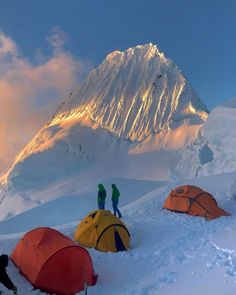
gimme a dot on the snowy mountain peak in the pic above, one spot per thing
(146, 51)
(135, 93)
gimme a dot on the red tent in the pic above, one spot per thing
(194, 201)
(53, 263)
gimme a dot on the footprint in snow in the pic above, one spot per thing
(225, 258)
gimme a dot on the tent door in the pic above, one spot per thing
(119, 244)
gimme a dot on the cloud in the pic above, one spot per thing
(57, 39)
(7, 46)
(29, 93)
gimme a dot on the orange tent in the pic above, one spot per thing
(53, 263)
(194, 201)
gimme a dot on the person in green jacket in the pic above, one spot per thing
(101, 196)
(115, 200)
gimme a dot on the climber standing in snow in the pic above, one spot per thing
(4, 278)
(115, 200)
(101, 196)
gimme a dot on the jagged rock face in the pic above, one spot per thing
(135, 93)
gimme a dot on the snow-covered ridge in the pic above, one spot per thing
(135, 93)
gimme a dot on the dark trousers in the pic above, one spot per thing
(115, 208)
(101, 204)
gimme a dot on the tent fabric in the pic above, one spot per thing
(194, 201)
(102, 230)
(53, 263)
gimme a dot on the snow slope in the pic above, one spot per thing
(220, 132)
(170, 251)
(67, 202)
(213, 152)
(105, 157)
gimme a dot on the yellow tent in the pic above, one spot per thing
(102, 230)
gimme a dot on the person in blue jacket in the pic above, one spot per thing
(101, 196)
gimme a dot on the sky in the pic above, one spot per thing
(47, 47)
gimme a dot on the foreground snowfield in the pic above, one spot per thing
(170, 252)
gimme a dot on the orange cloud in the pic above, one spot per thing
(29, 94)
